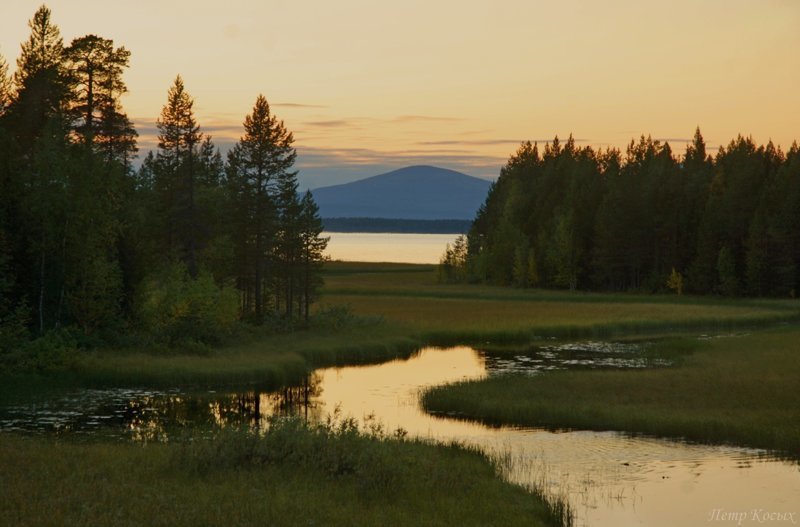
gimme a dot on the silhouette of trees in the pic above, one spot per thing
(577, 218)
(89, 244)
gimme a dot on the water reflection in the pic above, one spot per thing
(609, 478)
(573, 355)
(150, 415)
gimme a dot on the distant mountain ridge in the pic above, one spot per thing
(414, 193)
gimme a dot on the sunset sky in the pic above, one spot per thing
(370, 86)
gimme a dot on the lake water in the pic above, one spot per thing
(609, 478)
(387, 247)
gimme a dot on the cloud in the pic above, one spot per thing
(297, 105)
(424, 118)
(321, 166)
(673, 139)
(330, 166)
(360, 122)
(469, 142)
(332, 123)
(490, 142)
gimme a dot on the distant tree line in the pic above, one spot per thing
(182, 248)
(646, 220)
(396, 225)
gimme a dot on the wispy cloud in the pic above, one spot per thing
(673, 139)
(331, 123)
(489, 142)
(297, 105)
(424, 118)
(469, 142)
(331, 166)
(321, 166)
(361, 122)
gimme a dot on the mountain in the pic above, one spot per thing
(414, 193)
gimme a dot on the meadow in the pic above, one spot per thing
(435, 313)
(740, 390)
(370, 313)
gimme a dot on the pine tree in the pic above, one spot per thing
(40, 84)
(6, 87)
(43, 50)
(289, 241)
(95, 68)
(312, 252)
(178, 138)
(258, 170)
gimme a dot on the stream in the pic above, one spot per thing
(609, 478)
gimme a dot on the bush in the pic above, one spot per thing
(336, 448)
(180, 311)
(53, 351)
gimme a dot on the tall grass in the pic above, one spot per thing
(392, 310)
(741, 390)
(334, 474)
(451, 314)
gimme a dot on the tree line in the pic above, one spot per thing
(182, 247)
(647, 220)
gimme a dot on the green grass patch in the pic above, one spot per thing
(292, 475)
(742, 390)
(375, 312)
(445, 314)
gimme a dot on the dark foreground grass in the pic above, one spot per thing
(292, 475)
(742, 390)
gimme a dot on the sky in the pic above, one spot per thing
(369, 86)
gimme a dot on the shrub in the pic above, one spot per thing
(179, 310)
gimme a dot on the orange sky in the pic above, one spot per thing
(369, 86)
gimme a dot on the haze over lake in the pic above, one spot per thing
(387, 247)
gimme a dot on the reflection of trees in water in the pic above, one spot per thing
(150, 418)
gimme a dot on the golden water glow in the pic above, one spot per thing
(453, 83)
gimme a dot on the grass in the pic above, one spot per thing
(292, 475)
(735, 390)
(401, 308)
(742, 390)
(443, 314)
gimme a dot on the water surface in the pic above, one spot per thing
(609, 478)
(387, 247)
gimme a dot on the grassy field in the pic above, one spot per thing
(742, 390)
(443, 314)
(294, 475)
(401, 307)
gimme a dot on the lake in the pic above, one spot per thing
(387, 247)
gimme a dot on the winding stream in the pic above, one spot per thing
(609, 478)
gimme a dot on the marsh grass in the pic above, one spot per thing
(293, 474)
(739, 389)
(445, 314)
(371, 313)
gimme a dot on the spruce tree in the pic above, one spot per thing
(257, 165)
(178, 138)
(312, 252)
(6, 87)
(40, 84)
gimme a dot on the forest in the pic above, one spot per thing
(180, 250)
(647, 220)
